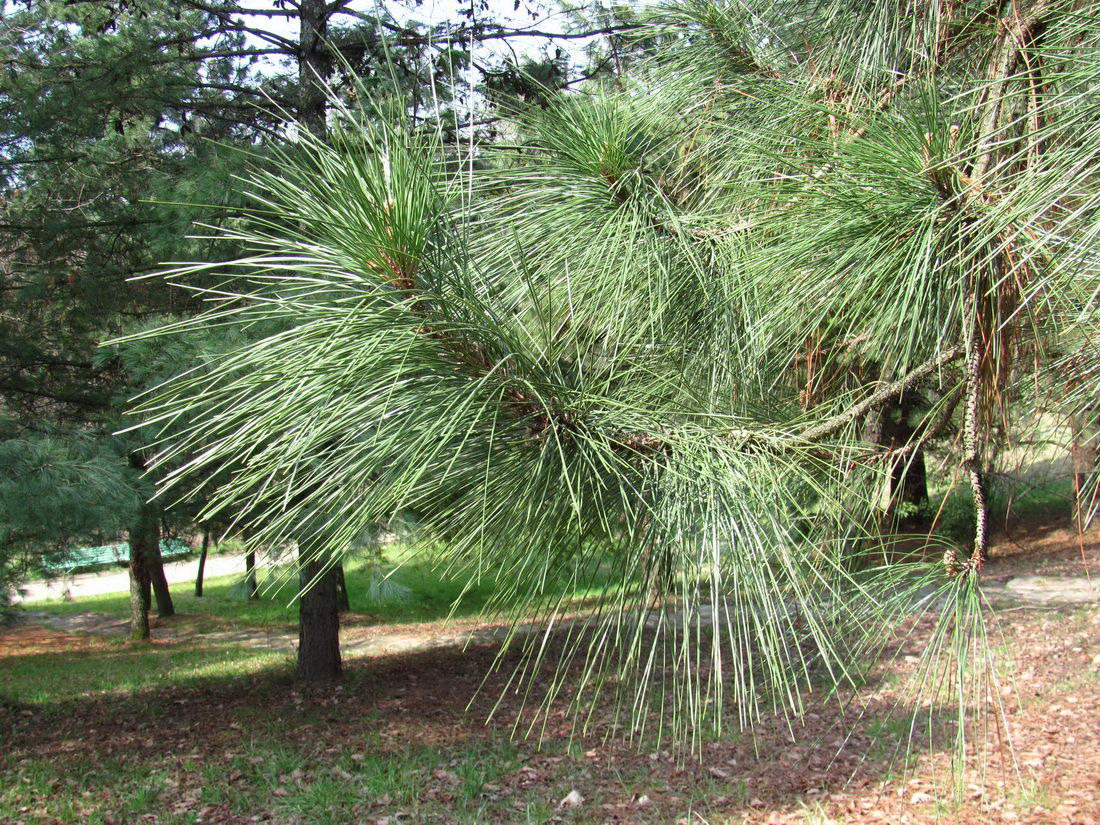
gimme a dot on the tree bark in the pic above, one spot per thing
(139, 601)
(881, 395)
(888, 427)
(314, 65)
(202, 561)
(145, 548)
(165, 608)
(343, 603)
(1083, 451)
(909, 490)
(318, 617)
(140, 535)
(250, 574)
(908, 483)
(971, 442)
(318, 621)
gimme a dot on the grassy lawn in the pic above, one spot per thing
(100, 731)
(106, 733)
(178, 733)
(382, 593)
(264, 776)
(115, 666)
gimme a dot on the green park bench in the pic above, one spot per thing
(106, 554)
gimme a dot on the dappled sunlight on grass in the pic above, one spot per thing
(387, 592)
(38, 678)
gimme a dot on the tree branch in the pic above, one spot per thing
(881, 396)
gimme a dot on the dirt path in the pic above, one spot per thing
(1044, 568)
(377, 640)
(117, 580)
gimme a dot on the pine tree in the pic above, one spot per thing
(590, 365)
(111, 113)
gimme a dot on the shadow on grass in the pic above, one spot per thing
(397, 735)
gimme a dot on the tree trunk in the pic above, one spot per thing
(343, 604)
(314, 65)
(202, 561)
(1084, 444)
(908, 475)
(250, 574)
(907, 503)
(318, 621)
(143, 531)
(165, 608)
(318, 617)
(909, 489)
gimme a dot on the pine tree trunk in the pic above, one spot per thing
(318, 623)
(907, 501)
(202, 561)
(250, 574)
(909, 504)
(343, 604)
(139, 577)
(909, 488)
(165, 608)
(318, 617)
(1084, 444)
(314, 65)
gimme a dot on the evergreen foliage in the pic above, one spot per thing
(591, 353)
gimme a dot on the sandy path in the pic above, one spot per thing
(116, 580)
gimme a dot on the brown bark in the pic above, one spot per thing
(165, 608)
(318, 621)
(1084, 448)
(881, 395)
(202, 561)
(139, 578)
(318, 617)
(342, 602)
(972, 459)
(314, 65)
(146, 566)
(906, 491)
(250, 574)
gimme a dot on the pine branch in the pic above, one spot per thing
(881, 396)
(1010, 48)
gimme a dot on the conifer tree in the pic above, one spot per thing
(582, 354)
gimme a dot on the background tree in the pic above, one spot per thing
(124, 123)
(109, 107)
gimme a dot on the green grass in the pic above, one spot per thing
(1037, 501)
(1034, 794)
(281, 780)
(49, 678)
(265, 764)
(252, 760)
(386, 593)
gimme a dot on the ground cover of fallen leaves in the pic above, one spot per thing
(832, 767)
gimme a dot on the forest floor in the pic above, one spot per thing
(199, 728)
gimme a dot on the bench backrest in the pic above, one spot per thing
(114, 554)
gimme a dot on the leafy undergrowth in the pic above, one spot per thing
(236, 741)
